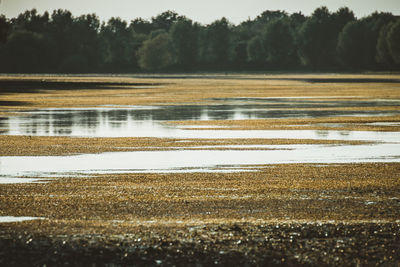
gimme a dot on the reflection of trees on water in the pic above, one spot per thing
(46, 123)
(115, 118)
(220, 112)
(325, 133)
(88, 118)
(169, 113)
(64, 122)
(4, 125)
(322, 133)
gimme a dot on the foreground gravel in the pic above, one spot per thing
(313, 244)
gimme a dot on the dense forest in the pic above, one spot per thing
(168, 42)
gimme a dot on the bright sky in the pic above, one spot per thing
(203, 11)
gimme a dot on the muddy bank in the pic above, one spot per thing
(36, 85)
(316, 78)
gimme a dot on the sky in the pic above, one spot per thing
(204, 11)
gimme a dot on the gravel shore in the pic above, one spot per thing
(310, 244)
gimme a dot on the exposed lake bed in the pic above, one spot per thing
(150, 163)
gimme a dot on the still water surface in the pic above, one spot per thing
(147, 121)
(195, 160)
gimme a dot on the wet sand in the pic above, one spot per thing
(290, 214)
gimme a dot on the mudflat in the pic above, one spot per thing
(248, 214)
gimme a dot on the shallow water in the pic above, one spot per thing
(196, 160)
(147, 121)
(140, 121)
(8, 219)
(82, 126)
(16, 180)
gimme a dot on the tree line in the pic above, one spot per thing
(274, 40)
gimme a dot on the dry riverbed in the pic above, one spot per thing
(284, 214)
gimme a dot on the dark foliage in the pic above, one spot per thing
(275, 40)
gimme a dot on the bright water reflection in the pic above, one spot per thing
(138, 121)
(196, 160)
(14, 180)
(146, 121)
(9, 219)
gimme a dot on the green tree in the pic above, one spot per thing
(240, 37)
(164, 20)
(273, 40)
(340, 18)
(216, 44)
(314, 38)
(239, 55)
(87, 50)
(255, 52)
(183, 35)
(17, 56)
(258, 25)
(141, 26)
(268, 16)
(4, 29)
(31, 21)
(296, 21)
(119, 45)
(393, 40)
(154, 33)
(60, 33)
(28, 23)
(278, 43)
(383, 54)
(358, 41)
(155, 54)
(351, 47)
(373, 25)
(318, 37)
